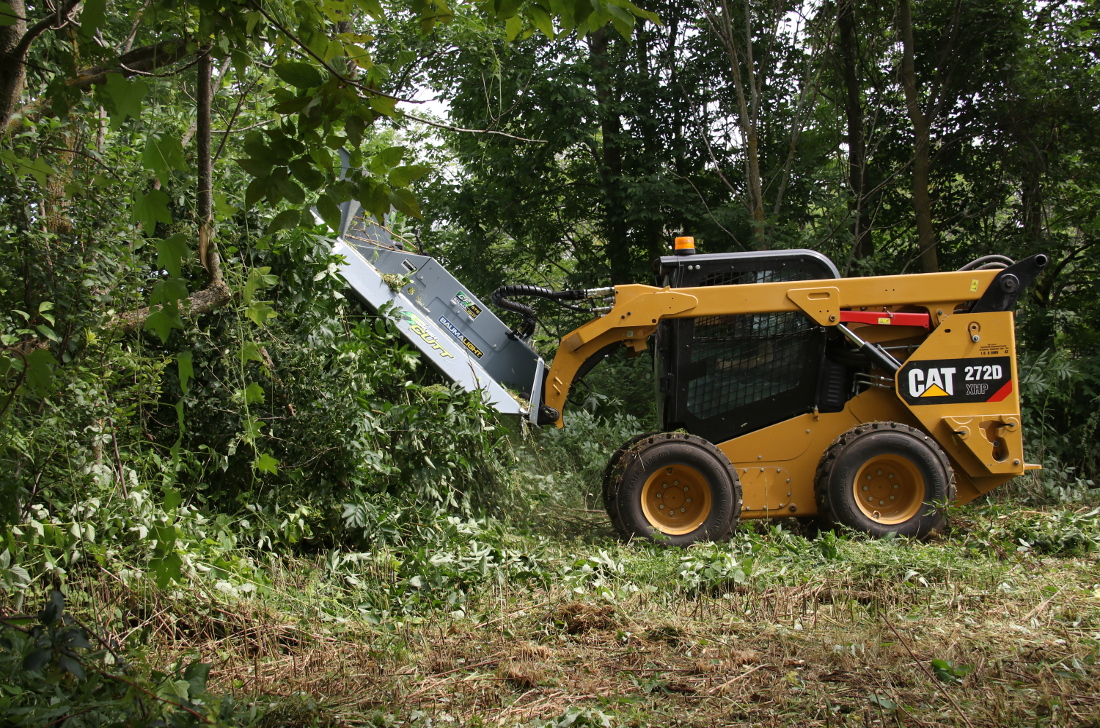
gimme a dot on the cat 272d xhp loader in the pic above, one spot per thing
(785, 390)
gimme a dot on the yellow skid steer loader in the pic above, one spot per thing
(784, 389)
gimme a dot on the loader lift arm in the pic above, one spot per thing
(639, 308)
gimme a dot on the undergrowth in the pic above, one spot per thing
(464, 573)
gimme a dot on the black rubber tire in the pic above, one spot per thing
(641, 457)
(835, 490)
(611, 475)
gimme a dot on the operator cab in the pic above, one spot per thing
(722, 376)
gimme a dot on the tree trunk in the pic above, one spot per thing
(748, 107)
(611, 162)
(863, 245)
(13, 72)
(922, 200)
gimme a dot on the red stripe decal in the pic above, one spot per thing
(886, 318)
(1001, 393)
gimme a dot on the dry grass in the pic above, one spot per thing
(833, 647)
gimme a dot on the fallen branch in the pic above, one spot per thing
(214, 296)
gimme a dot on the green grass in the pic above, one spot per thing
(551, 622)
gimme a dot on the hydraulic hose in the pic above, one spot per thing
(500, 298)
(983, 263)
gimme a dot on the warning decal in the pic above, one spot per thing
(947, 381)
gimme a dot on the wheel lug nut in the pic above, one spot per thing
(882, 503)
(676, 482)
(664, 485)
(865, 487)
(683, 510)
(658, 495)
(895, 486)
(868, 477)
(893, 497)
(689, 500)
(685, 489)
(880, 472)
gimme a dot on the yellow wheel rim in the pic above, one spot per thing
(889, 489)
(676, 499)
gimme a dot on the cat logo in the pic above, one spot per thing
(950, 381)
(932, 382)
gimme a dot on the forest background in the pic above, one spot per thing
(190, 402)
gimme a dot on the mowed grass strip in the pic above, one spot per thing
(972, 629)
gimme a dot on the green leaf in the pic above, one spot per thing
(162, 320)
(287, 187)
(172, 498)
(391, 156)
(256, 148)
(284, 220)
(126, 97)
(181, 688)
(165, 537)
(250, 429)
(329, 211)
(299, 74)
(223, 207)
(258, 279)
(23, 166)
(7, 15)
(151, 208)
(507, 8)
(402, 176)
(163, 155)
(250, 352)
(72, 666)
(266, 464)
(197, 673)
(636, 11)
(168, 291)
(305, 173)
(171, 252)
(622, 20)
(167, 569)
(354, 127)
(372, 8)
(405, 201)
(187, 369)
(241, 62)
(255, 167)
(378, 201)
(383, 105)
(92, 17)
(261, 312)
(882, 701)
(47, 332)
(40, 366)
(37, 659)
(257, 189)
(253, 393)
(540, 18)
(512, 27)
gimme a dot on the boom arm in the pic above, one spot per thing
(639, 308)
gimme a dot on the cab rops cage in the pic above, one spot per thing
(784, 389)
